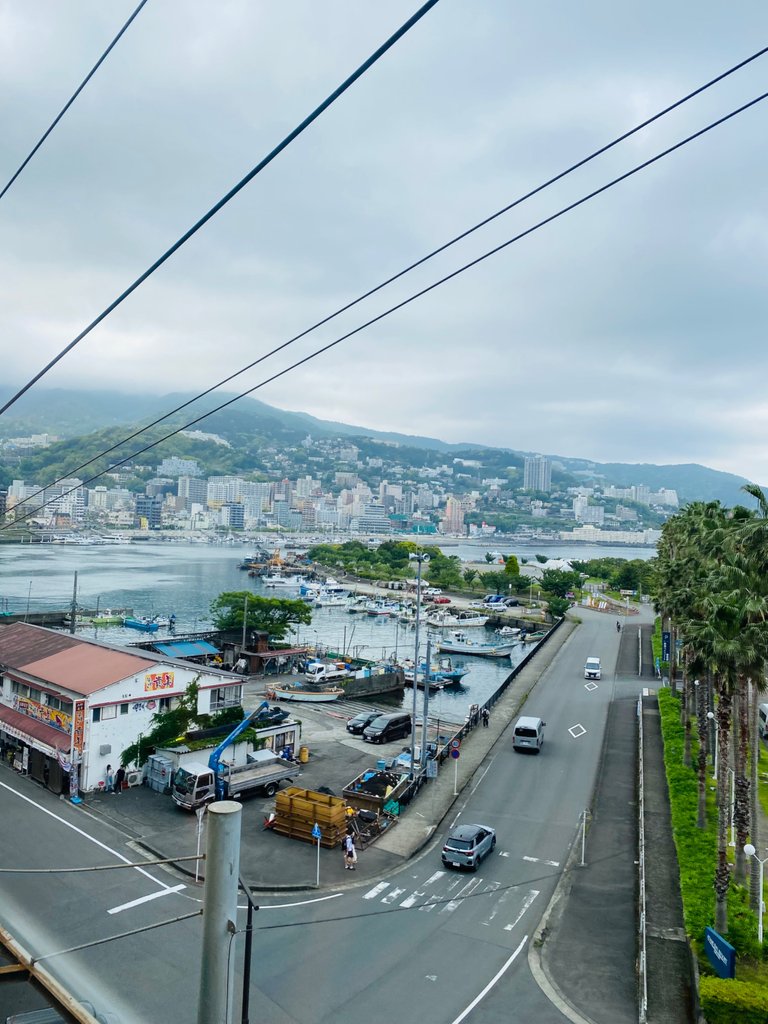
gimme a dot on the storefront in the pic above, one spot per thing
(36, 749)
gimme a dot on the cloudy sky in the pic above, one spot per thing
(631, 329)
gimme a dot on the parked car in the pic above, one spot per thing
(441, 600)
(359, 722)
(388, 727)
(511, 602)
(466, 845)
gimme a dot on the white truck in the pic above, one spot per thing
(195, 784)
(325, 671)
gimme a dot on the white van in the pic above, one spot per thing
(762, 720)
(528, 734)
(592, 668)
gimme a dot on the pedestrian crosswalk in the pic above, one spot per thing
(443, 892)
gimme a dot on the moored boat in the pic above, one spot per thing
(456, 620)
(291, 691)
(459, 643)
(143, 625)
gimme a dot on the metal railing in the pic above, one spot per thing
(643, 960)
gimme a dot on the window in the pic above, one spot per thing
(96, 715)
(123, 709)
(226, 697)
(107, 712)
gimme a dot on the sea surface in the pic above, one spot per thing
(183, 579)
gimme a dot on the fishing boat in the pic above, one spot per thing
(143, 625)
(454, 620)
(533, 638)
(513, 632)
(459, 643)
(276, 581)
(293, 691)
(442, 673)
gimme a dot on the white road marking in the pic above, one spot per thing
(590, 686)
(500, 973)
(300, 903)
(431, 977)
(471, 792)
(410, 900)
(577, 730)
(80, 832)
(492, 887)
(502, 854)
(392, 896)
(145, 899)
(538, 860)
(461, 895)
(374, 892)
(526, 904)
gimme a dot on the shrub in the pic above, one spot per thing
(730, 1001)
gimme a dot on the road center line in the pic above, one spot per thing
(504, 968)
(145, 899)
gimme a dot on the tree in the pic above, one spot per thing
(557, 582)
(558, 606)
(273, 615)
(511, 566)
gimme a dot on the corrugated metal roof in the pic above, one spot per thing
(186, 648)
(22, 643)
(66, 661)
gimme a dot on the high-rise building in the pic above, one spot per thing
(537, 473)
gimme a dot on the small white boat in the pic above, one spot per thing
(460, 643)
(306, 693)
(508, 631)
(456, 620)
(276, 581)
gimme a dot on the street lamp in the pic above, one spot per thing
(752, 852)
(421, 558)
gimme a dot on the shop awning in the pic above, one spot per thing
(22, 727)
(186, 649)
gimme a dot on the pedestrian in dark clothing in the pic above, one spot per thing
(119, 777)
(486, 716)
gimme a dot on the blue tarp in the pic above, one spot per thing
(187, 649)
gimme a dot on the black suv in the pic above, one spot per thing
(359, 722)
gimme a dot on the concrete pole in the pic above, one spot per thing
(425, 713)
(73, 607)
(419, 558)
(222, 867)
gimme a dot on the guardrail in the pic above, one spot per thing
(643, 960)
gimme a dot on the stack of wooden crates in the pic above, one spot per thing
(298, 810)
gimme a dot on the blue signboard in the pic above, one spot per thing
(665, 638)
(316, 833)
(720, 953)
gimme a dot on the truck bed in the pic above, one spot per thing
(254, 776)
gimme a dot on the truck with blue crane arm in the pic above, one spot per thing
(195, 785)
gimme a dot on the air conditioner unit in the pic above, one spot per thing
(133, 777)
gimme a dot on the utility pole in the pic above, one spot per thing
(73, 608)
(245, 620)
(222, 869)
(423, 761)
(420, 557)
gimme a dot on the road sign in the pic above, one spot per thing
(455, 754)
(455, 743)
(316, 833)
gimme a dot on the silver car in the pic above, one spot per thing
(466, 845)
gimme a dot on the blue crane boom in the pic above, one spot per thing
(215, 757)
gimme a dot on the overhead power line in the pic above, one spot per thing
(339, 91)
(73, 97)
(416, 295)
(412, 266)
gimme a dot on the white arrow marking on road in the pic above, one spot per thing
(526, 904)
(145, 899)
(538, 860)
(504, 854)
(431, 977)
(577, 730)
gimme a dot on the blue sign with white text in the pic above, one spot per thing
(665, 638)
(720, 953)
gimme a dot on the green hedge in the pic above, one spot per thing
(733, 1002)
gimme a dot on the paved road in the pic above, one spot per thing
(422, 943)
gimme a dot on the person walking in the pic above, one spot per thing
(350, 854)
(109, 780)
(618, 626)
(119, 777)
(486, 716)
